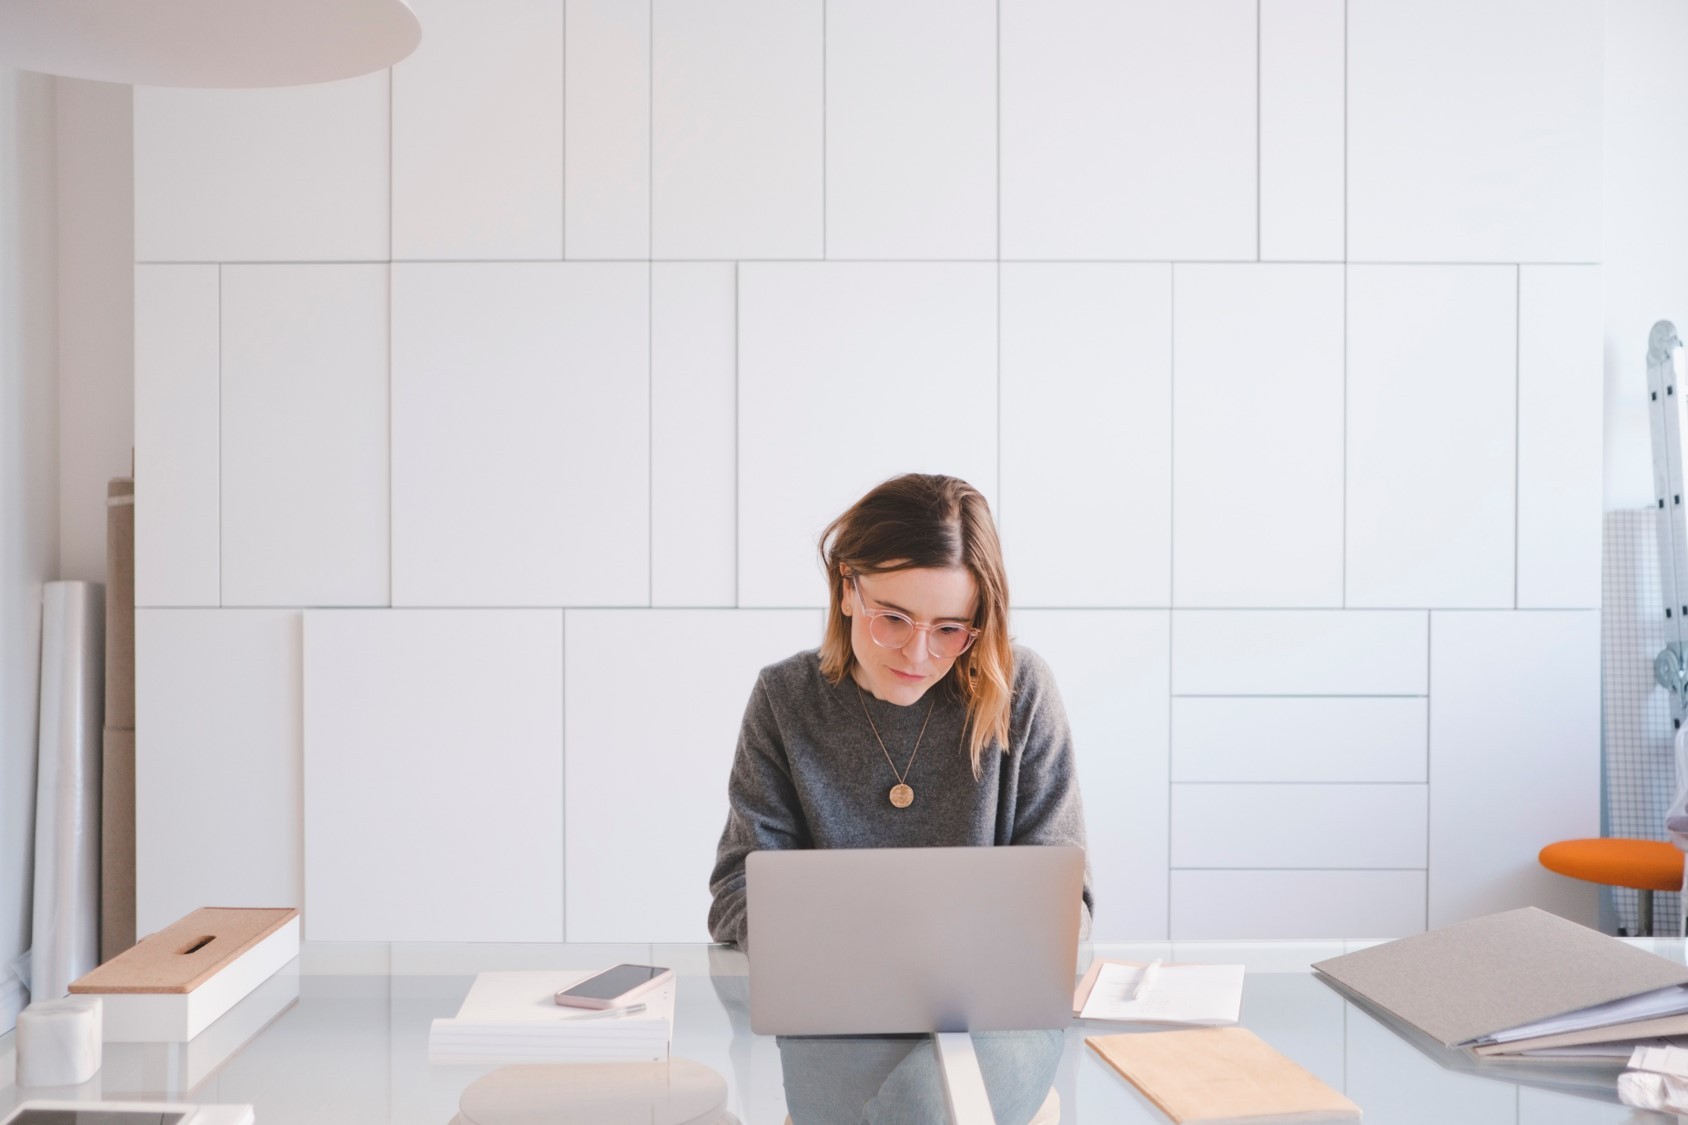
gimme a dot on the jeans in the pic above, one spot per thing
(896, 1079)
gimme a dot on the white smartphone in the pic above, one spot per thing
(614, 987)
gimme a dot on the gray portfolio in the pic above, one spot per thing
(1501, 971)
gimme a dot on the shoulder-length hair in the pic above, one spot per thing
(919, 521)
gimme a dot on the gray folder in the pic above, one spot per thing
(1500, 971)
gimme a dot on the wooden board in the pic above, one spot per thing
(178, 958)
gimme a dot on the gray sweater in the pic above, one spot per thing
(809, 774)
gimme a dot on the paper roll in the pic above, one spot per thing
(58, 1042)
(67, 792)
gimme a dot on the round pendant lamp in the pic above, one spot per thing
(214, 43)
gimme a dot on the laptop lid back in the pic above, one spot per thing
(865, 941)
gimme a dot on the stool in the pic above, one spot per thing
(1642, 865)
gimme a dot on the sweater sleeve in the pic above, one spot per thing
(763, 814)
(1048, 809)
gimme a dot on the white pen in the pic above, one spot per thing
(606, 1013)
(1150, 972)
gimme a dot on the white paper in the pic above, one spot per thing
(1670, 1001)
(1644, 1090)
(1662, 1057)
(1208, 995)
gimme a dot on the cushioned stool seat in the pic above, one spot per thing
(1644, 865)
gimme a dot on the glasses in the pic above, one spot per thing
(945, 640)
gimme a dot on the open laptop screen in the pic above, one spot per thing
(871, 941)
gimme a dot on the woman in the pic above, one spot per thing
(916, 655)
(916, 723)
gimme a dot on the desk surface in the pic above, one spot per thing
(352, 1048)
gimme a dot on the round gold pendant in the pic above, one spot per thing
(902, 796)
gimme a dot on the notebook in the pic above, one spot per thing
(1220, 1076)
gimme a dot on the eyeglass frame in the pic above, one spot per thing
(873, 615)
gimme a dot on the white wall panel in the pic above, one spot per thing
(1432, 387)
(1317, 826)
(478, 132)
(1296, 904)
(911, 129)
(1093, 165)
(218, 799)
(1644, 230)
(640, 851)
(607, 173)
(1257, 436)
(1559, 437)
(304, 451)
(848, 374)
(1086, 434)
(694, 430)
(521, 431)
(1474, 131)
(1115, 697)
(290, 174)
(737, 125)
(177, 433)
(1334, 739)
(434, 775)
(1514, 759)
(1303, 76)
(1299, 652)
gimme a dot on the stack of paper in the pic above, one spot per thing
(514, 1018)
(1509, 985)
(1202, 995)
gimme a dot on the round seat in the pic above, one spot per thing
(1645, 865)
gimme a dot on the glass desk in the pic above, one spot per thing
(344, 1039)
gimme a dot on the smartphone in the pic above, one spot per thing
(614, 987)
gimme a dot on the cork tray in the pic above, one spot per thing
(185, 954)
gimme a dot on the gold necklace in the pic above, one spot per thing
(901, 795)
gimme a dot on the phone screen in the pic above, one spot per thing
(611, 983)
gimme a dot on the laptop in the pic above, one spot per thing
(878, 941)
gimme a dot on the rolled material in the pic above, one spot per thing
(117, 781)
(120, 605)
(59, 1042)
(66, 937)
(117, 844)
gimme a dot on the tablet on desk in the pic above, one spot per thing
(877, 941)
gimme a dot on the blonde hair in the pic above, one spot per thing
(919, 521)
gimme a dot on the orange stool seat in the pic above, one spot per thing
(1645, 865)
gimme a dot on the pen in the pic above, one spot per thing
(1150, 972)
(606, 1013)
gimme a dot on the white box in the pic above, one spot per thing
(173, 1017)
